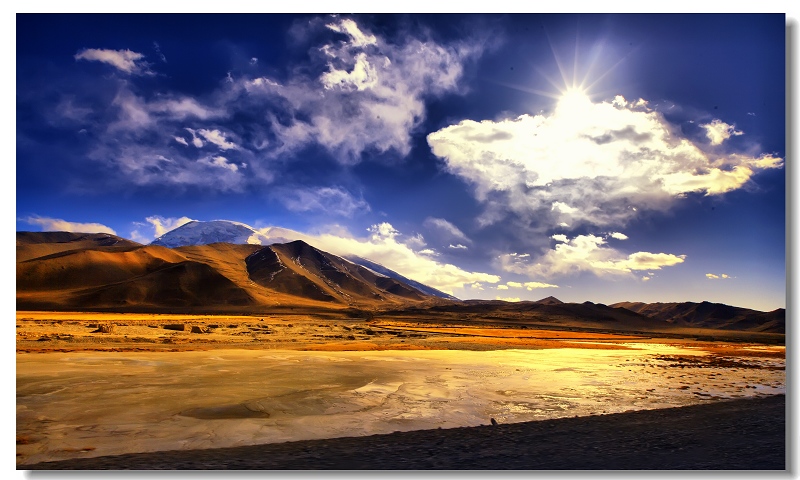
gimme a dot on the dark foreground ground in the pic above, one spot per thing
(746, 434)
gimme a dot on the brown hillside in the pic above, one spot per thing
(711, 315)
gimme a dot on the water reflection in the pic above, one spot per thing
(88, 404)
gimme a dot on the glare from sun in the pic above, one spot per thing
(573, 102)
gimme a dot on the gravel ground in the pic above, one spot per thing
(746, 434)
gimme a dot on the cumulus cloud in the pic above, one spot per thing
(370, 96)
(645, 278)
(502, 287)
(560, 237)
(586, 163)
(618, 235)
(332, 200)
(126, 61)
(388, 247)
(587, 253)
(514, 284)
(58, 225)
(718, 131)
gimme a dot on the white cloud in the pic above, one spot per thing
(645, 278)
(718, 131)
(533, 285)
(508, 299)
(446, 229)
(587, 253)
(457, 247)
(502, 287)
(560, 237)
(477, 286)
(370, 96)
(514, 284)
(357, 37)
(386, 245)
(162, 225)
(253, 61)
(585, 163)
(217, 138)
(336, 201)
(197, 142)
(427, 251)
(124, 60)
(181, 140)
(220, 162)
(618, 235)
(722, 276)
(59, 225)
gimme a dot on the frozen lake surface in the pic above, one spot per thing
(89, 404)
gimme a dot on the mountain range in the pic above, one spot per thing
(220, 266)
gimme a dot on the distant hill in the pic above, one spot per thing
(711, 315)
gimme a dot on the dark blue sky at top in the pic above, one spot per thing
(727, 67)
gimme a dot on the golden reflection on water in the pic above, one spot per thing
(89, 404)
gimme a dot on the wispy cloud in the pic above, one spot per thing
(446, 231)
(721, 276)
(59, 225)
(126, 61)
(331, 200)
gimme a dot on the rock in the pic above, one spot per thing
(199, 329)
(494, 422)
(104, 329)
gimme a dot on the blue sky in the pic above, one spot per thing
(589, 157)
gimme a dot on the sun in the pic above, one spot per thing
(573, 101)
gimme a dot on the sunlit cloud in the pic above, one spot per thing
(721, 276)
(585, 163)
(48, 224)
(718, 131)
(535, 285)
(514, 284)
(508, 299)
(126, 61)
(618, 235)
(162, 225)
(587, 253)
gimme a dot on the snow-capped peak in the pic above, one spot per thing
(204, 233)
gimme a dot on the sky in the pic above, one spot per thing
(602, 157)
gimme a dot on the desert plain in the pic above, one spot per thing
(93, 384)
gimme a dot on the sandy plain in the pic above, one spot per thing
(96, 384)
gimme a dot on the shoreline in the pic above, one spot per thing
(740, 434)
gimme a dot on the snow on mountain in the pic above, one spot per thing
(383, 271)
(204, 233)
